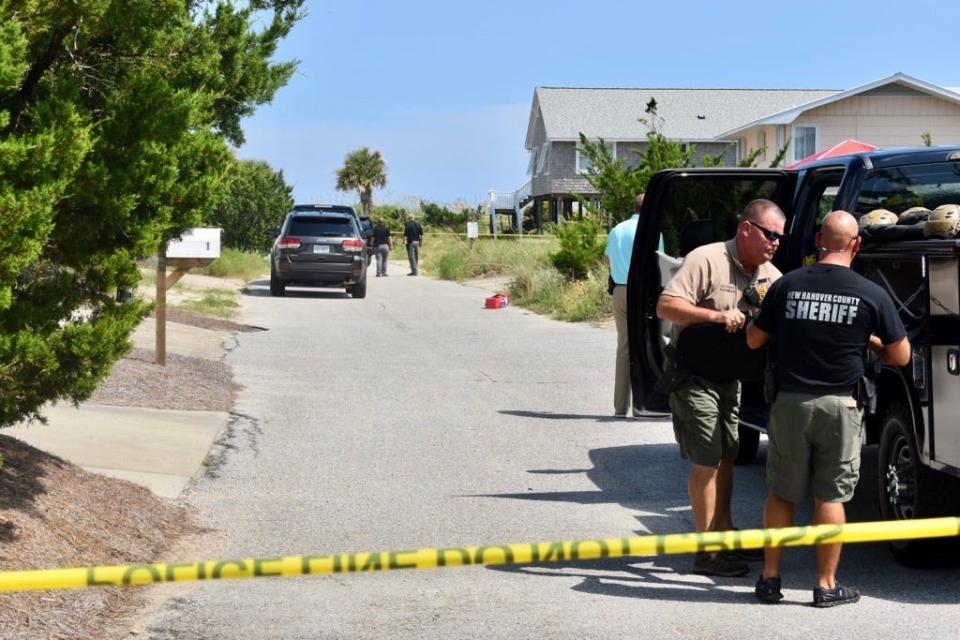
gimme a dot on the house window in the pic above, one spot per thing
(804, 142)
(543, 162)
(584, 164)
(533, 160)
(762, 144)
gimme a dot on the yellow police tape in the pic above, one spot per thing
(649, 545)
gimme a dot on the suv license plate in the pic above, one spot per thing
(321, 248)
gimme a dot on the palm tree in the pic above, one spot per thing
(362, 170)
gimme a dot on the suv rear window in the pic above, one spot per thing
(321, 226)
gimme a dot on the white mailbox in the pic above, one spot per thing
(196, 243)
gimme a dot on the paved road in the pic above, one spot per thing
(414, 418)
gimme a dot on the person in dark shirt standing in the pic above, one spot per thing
(821, 319)
(413, 234)
(382, 243)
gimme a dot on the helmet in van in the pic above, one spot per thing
(878, 216)
(944, 222)
(913, 215)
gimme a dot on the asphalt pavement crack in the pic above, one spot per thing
(239, 424)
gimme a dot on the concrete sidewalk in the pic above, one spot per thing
(158, 448)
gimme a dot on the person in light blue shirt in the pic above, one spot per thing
(617, 257)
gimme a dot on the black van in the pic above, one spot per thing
(915, 422)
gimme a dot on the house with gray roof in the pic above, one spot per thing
(893, 111)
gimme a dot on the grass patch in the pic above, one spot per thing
(220, 303)
(233, 263)
(544, 290)
(535, 284)
(452, 258)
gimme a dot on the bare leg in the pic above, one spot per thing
(776, 513)
(702, 488)
(723, 521)
(828, 555)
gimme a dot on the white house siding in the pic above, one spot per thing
(885, 121)
(753, 142)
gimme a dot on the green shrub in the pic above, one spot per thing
(581, 248)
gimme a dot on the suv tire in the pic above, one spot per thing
(358, 290)
(277, 287)
(909, 490)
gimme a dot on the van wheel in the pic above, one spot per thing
(277, 286)
(749, 443)
(358, 290)
(909, 490)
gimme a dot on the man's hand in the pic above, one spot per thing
(731, 319)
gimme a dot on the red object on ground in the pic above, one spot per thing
(497, 301)
(844, 148)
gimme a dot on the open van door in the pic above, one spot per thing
(682, 210)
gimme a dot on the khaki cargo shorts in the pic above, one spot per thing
(814, 437)
(705, 419)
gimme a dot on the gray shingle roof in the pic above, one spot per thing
(613, 113)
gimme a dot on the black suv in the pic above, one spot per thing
(321, 248)
(915, 418)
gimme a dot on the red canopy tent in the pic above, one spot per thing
(844, 148)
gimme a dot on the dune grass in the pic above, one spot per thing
(534, 283)
(233, 263)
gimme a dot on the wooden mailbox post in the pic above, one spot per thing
(197, 248)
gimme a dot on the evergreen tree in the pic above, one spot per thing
(114, 121)
(257, 199)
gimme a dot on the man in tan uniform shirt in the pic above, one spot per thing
(709, 288)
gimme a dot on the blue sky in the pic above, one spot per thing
(443, 89)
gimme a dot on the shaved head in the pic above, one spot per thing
(838, 237)
(837, 229)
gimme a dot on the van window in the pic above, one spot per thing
(701, 211)
(899, 188)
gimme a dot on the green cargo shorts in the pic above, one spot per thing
(705, 419)
(814, 437)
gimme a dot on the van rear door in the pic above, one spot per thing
(683, 209)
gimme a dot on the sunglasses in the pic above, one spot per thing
(769, 234)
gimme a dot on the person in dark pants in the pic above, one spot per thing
(822, 318)
(382, 243)
(413, 234)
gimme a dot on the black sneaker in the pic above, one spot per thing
(749, 555)
(768, 590)
(823, 597)
(718, 563)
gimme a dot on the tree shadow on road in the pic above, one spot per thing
(652, 479)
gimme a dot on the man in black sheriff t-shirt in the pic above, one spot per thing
(822, 318)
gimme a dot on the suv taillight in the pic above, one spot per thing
(289, 243)
(352, 245)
